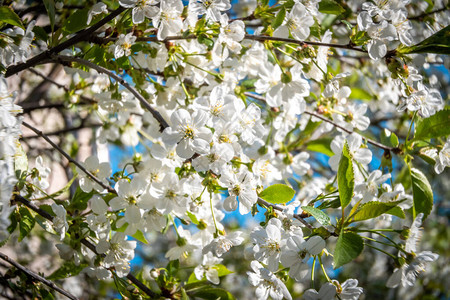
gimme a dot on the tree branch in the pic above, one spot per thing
(162, 122)
(37, 277)
(79, 36)
(67, 156)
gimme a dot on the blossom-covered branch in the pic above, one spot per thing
(80, 36)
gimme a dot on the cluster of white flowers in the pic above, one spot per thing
(224, 143)
(9, 134)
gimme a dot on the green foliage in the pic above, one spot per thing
(360, 94)
(279, 18)
(79, 200)
(321, 145)
(8, 16)
(140, 237)
(26, 222)
(330, 7)
(349, 245)
(76, 21)
(422, 193)
(277, 194)
(319, 215)
(389, 138)
(438, 43)
(435, 126)
(50, 7)
(373, 209)
(67, 269)
(346, 177)
(192, 217)
(209, 292)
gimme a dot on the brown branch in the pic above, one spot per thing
(67, 156)
(162, 122)
(78, 37)
(37, 277)
(85, 242)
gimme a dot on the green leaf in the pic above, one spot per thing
(360, 38)
(45, 224)
(422, 193)
(346, 177)
(360, 94)
(349, 245)
(396, 211)
(389, 138)
(213, 293)
(7, 15)
(26, 222)
(79, 200)
(438, 43)
(76, 21)
(321, 145)
(279, 18)
(373, 209)
(435, 126)
(50, 7)
(40, 33)
(140, 237)
(68, 269)
(319, 215)
(192, 217)
(277, 194)
(330, 7)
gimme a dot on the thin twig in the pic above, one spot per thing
(78, 37)
(372, 142)
(423, 15)
(163, 124)
(61, 86)
(67, 156)
(37, 277)
(262, 38)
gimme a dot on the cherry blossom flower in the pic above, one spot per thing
(297, 22)
(207, 268)
(267, 284)
(188, 132)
